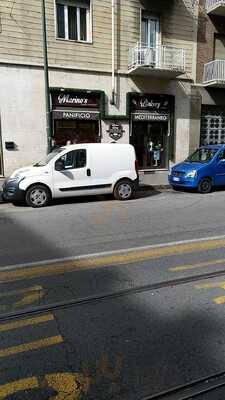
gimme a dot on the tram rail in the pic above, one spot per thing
(73, 302)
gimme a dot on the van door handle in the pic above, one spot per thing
(88, 172)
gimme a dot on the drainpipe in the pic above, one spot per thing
(46, 77)
(112, 101)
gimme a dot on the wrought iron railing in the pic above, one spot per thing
(211, 4)
(214, 71)
(160, 57)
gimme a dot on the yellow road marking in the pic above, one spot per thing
(13, 387)
(220, 285)
(38, 344)
(36, 288)
(219, 300)
(29, 299)
(65, 385)
(119, 259)
(198, 265)
(26, 322)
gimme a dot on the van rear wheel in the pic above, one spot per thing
(123, 190)
(38, 196)
(205, 185)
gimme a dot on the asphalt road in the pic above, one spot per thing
(115, 326)
(91, 225)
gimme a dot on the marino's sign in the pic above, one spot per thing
(151, 102)
(75, 99)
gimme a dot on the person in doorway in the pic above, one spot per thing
(157, 154)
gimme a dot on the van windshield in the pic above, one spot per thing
(202, 155)
(48, 158)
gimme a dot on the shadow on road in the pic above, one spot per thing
(127, 347)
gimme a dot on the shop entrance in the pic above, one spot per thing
(150, 140)
(75, 131)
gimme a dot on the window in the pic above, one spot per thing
(149, 30)
(73, 159)
(219, 47)
(73, 19)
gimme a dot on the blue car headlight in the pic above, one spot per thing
(191, 174)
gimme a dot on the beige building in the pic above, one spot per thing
(119, 70)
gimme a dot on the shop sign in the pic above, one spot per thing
(150, 117)
(85, 115)
(151, 102)
(115, 131)
(73, 99)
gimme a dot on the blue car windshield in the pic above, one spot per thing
(202, 155)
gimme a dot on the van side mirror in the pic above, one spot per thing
(59, 165)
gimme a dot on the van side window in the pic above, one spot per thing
(73, 159)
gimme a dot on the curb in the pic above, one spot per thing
(144, 188)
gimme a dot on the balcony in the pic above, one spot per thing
(216, 7)
(214, 74)
(163, 61)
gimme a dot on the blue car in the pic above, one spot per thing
(202, 170)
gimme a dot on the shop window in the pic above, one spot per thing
(73, 20)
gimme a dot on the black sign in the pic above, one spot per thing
(75, 99)
(149, 117)
(151, 102)
(116, 131)
(85, 115)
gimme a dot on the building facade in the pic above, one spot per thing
(119, 70)
(211, 71)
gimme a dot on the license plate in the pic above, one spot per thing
(176, 179)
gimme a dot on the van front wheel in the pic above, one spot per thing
(123, 190)
(205, 186)
(38, 196)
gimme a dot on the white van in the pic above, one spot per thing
(76, 170)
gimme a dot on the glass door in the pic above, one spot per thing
(150, 38)
(150, 141)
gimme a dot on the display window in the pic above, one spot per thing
(75, 131)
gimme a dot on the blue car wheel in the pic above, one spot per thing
(205, 185)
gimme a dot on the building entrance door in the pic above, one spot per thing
(150, 140)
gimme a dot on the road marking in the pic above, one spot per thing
(18, 386)
(31, 295)
(65, 385)
(107, 253)
(198, 265)
(26, 322)
(119, 259)
(21, 291)
(220, 285)
(38, 344)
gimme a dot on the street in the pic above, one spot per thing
(103, 299)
